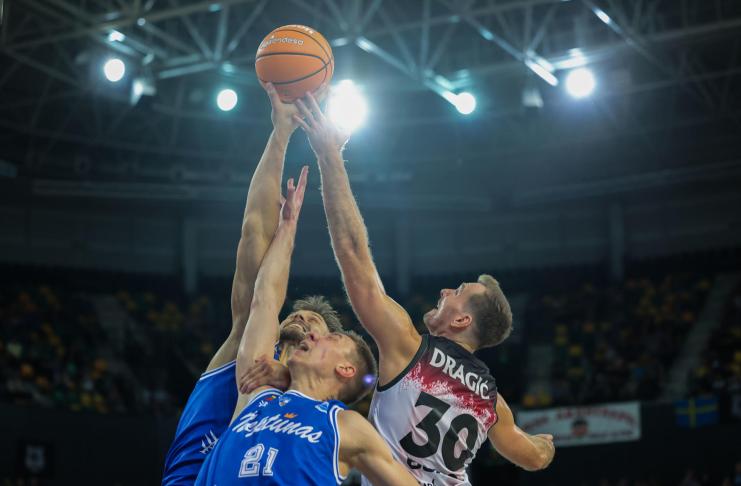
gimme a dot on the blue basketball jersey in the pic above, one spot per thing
(205, 417)
(279, 439)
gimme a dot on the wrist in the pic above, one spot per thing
(282, 134)
(331, 157)
(287, 226)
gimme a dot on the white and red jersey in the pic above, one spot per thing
(437, 413)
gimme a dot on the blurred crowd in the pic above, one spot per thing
(608, 343)
(614, 342)
(52, 353)
(720, 370)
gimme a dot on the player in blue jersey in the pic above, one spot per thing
(211, 404)
(304, 436)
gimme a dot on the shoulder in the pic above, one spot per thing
(355, 430)
(350, 420)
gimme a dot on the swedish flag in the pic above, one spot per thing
(696, 412)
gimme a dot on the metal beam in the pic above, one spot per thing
(449, 18)
(529, 59)
(131, 19)
(41, 67)
(3, 22)
(244, 28)
(221, 31)
(564, 60)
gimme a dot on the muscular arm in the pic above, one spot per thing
(530, 452)
(384, 319)
(363, 449)
(261, 331)
(259, 223)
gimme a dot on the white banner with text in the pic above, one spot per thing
(573, 426)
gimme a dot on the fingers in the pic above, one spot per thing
(321, 93)
(302, 184)
(301, 123)
(290, 188)
(306, 112)
(256, 376)
(314, 106)
(272, 93)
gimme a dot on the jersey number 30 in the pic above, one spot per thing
(428, 425)
(251, 463)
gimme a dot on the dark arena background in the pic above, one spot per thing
(596, 175)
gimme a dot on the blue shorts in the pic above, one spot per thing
(206, 415)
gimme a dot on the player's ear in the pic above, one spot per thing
(346, 369)
(462, 322)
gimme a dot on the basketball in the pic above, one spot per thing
(296, 59)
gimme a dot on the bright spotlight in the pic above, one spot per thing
(227, 99)
(580, 83)
(465, 103)
(347, 107)
(116, 36)
(114, 70)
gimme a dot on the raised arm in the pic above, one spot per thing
(259, 222)
(261, 331)
(384, 319)
(530, 452)
(363, 449)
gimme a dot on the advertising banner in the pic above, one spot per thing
(573, 426)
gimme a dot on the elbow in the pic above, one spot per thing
(539, 461)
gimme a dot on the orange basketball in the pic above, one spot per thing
(296, 59)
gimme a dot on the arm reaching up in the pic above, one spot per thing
(385, 320)
(259, 222)
(530, 452)
(261, 331)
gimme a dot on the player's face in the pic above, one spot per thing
(451, 305)
(323, 353)
(298, 324)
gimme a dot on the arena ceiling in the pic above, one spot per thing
(667, 95)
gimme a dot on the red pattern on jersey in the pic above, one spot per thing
(433, 381)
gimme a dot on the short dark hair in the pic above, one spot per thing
(320, 305)
(492, 315)
(365, 363)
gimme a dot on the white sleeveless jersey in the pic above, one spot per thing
(437, 413)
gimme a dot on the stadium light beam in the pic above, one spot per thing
(465, 103)
(227, 99)
(542, 71)
(580, 83)
(347, 107)
(114, 70)
(602, 15)
(116, 36)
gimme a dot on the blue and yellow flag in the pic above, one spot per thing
(696, 412)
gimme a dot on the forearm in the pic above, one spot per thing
(272, 279)
(263, 199)
(261, 330)
(346, 227)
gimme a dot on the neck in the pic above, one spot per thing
(469, 347)
(313, 386)
(462, 343)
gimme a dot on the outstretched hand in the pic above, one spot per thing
(265, 371)
(294, 198)
(324, 136)
(282, 113)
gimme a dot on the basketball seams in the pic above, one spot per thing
(281, 83)
(288, 87)
(329, 56)
(291, 54)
